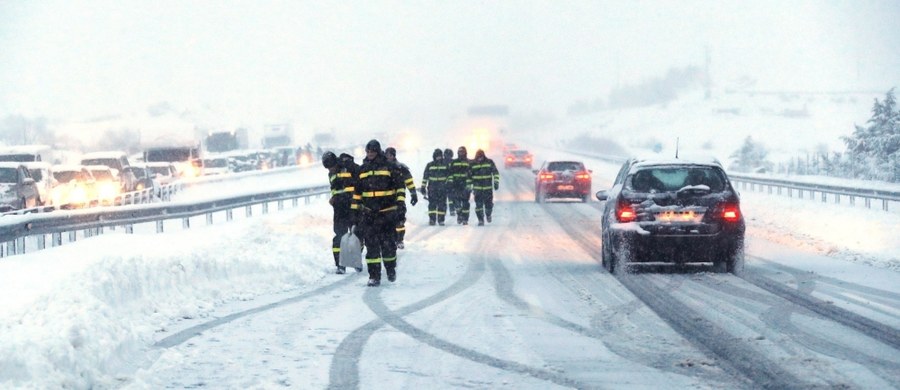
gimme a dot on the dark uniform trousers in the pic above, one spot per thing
(484, 203)
(437, 203)
(380, 242)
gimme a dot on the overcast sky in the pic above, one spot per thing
(379, 63)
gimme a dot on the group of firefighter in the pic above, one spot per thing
(372, 196)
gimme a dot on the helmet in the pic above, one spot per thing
(329, 160)
(448, 154)
(479, 154)
(346, 157)
(373, 146)
(437, 154)
(461, 152)
(391, 151)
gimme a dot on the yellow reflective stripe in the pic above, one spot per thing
(335, 250)
(410, 180)
(357, 197)
(401, 198)
(373, 194)
(349, 189)
(363, 175)
(345, 174)
(400, 229)
(481, 177)
(373, 261)
(331, 178)
(481, 188)
(354, 206)
(387, 259)
(392, 208)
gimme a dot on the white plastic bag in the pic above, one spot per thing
(351, 250)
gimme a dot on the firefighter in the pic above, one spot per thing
(409, 188)
(485, 179)
(448, 159)
(377, 200)
(461, 185)
(434, 188)
(342, 175)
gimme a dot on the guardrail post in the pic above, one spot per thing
(837, 198)
(186, 222)
(129, 229)
(209, 219)
(229, 215)
(265, 208)
(790, 192)
(306, 200)
(56, 238)
(295, 202)
(280, 205)
(159, 226)
(852, 200)
(249, 211)
(824, 197)
(42, 241)
(868, 203)
(73, 236)
(884, 204)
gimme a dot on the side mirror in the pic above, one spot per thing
(602, 195)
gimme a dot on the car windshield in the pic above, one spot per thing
(102, 174)
(18, 157)
(671, 179)
(67, 176)
(8, 175)
(560, 166)
(519, 153)
(216, 163)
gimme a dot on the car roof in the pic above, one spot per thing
(66, 167)
(655, 162)
(24, 149)
(107, 154)
(98, 168)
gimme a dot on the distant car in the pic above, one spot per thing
(672, 211)
(145, 178)
(77, 187)
(562, 179)
(163, 172)
(216, 166)
(518, 158)
(118, 162)
(18, 190)
(108, 184)
(42, 174)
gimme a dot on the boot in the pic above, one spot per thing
(488, 218)
(341, 270)
(373, 283)
(480, 223)
(392, 275)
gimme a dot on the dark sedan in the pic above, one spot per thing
(672, 211)
(562, 179)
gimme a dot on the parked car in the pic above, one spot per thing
(562, 179)
(145, 178)
(118, 162)
(518, 158)
(18, 189)
(76, 189)
(42, 174)
(216, 166)
(672, 211)
(107, 183)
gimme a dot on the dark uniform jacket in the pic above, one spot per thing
(484, 175)
(461, 174)
(343, 184)
(408, 184)
(435, 176)
(379, 188)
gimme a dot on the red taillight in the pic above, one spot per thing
(546, 176)
(509, 159)
(527, 158)
(583, 176)
(731, 213)
(625, 213)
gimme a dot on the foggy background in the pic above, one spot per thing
(366, 67)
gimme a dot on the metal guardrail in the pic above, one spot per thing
(780, 186)
(16, 230)
(825, 191)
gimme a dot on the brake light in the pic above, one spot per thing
(731, 213)
(527, 158)
(625, 213)
(583, 176)
(546, 176)
(509, 159)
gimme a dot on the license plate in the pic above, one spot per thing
(680, 217)
(565, 187)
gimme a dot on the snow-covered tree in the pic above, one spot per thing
(874, 149)
(751, 157)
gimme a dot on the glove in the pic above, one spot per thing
(423, 191)
(415, 199)
(496, 186)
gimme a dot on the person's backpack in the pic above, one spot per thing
(351, 250)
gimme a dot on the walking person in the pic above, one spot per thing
(377, 200)
(434, 188)
(342, 176)
(409, 188)
(485, 179)
(448, 160)
(461, 187)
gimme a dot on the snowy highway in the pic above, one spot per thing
(524, 303)
(520, 303)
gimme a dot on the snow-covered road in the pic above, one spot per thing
(520, 303)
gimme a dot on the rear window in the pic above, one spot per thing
(110, 162)
(102, 174)
(519, 153)
(561, 166)
(671, 179)
(19, 157)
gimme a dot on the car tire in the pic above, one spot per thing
(604, 253)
